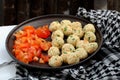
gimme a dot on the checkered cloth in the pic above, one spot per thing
(106, 64)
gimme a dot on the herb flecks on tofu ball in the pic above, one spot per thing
(53, 51)
(66, 22)
(79, 32)
(57, 33)
(81, 53)
(89, 27)
(54, 26)
(55, 61)
(72, 39)
(58, 42)
(67, 48)
(91, 47)
(81, 43)
(64, 56)
(67, 30)
(72, 58)
(90, 36)
(75, 25)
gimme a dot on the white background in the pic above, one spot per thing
(6, 72)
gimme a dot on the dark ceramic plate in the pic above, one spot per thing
(43, 20)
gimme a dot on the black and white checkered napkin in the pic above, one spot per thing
(106, 65)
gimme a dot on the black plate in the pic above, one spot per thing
(43, 20)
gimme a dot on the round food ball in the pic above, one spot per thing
(78, 32)
(53, 51)
(72, 58)
(89, 27)
(81, 53)
(67, 30)
(57, 33)
(67, 48)
(54, 26)
(91, 47)
(66, 22)
(72, 39)
(76, 25)
(90, 36)
(55, 61)
(81, 43)
(64, 56)
(57, 42)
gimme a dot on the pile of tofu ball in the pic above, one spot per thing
(71, 42)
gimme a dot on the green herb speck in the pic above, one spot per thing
(65, 52)
(65, 29)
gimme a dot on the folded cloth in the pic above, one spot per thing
(106, 65)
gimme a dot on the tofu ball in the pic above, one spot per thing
(57, 33)
(54, 26)
(67, 48)
(81, 43)
(55, 61)
(67, 30)
(90, 36)
(76, 25)
(64, 56)
(91, 47)
(79, 32)
(53, 51)
(81, 53)
(57, 42)
(72, 58)
(89, 27)
(72, 39)
(66, 22)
